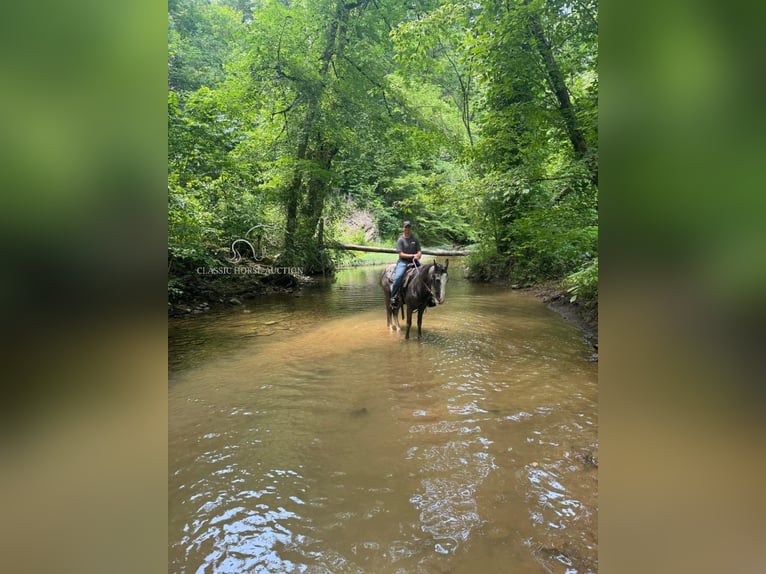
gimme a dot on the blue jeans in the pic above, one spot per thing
(401, 266)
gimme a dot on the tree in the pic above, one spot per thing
(434, 48)
(330, 70)
(477, 119)
(538, 127)
(201, 40)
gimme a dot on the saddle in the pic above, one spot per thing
(409, 273)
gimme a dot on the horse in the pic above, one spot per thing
(423, 286)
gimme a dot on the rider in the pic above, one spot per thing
(409, 252)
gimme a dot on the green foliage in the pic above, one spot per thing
(190, 228)
(583, 285)
(432, 48)
(499, 199)
(536, 195)
(284, 114)
(355, 237)
(486, 264)
(201, 40)
(549, 244)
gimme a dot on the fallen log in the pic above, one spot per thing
(373, 249)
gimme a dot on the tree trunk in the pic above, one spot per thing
(305, 187)
(559, 88)
(316, 189)
(294, 191)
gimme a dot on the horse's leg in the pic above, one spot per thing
(395, 312)
(409, 321)
(420, 319)
(391, 314)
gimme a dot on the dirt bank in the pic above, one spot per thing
(199, 292)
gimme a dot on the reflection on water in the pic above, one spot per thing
(305, 437)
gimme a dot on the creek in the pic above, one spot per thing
(306, 437)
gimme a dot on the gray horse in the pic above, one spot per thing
(423, 286)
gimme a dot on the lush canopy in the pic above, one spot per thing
(478, 120)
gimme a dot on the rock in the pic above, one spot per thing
(588, 457)
(235, 301)
(360, 221)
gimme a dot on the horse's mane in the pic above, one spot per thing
(423, 272)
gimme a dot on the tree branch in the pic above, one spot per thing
(372, 81)
(383, 16)
(288, 108)
(588, 13)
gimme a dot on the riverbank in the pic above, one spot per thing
(200, 292)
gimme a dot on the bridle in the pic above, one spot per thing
(426, 285)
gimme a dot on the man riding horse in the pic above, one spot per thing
(416, 289)
(409, 252)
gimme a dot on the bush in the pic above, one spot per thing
(550, 244)
(487, 264)
(583, 285)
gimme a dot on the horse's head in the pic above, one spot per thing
(439, 281)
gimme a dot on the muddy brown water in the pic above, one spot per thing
(305, 437)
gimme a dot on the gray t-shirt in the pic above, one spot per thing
(404, 245)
